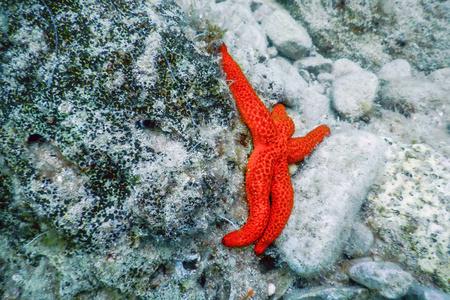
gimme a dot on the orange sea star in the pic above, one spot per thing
(268, 184)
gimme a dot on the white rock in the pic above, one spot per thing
(442, 78)
(272, 52)
(286, 74)
(290, 38)
(325, 77)
(329, 192)
(243, 31)
(386, 278)
(395, 69)
(251, 36)
(271, 288)
(345, 66)
(263, 11)
(354, 93)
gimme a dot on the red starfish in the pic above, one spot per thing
(267, 169)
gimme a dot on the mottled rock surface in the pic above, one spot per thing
(384, 277)
(354, 94)
(410, 208)
(313, 242)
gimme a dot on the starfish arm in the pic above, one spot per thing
(252, 110)
(299, 148)
(284, 125)
(282, 201)
(258, 181)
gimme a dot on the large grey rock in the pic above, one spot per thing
(328, 195)
(104, 167)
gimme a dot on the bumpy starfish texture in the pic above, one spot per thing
(267, 183)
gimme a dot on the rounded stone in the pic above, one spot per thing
(290, 38)
(387, 278)
(354, 94)
(398, 68)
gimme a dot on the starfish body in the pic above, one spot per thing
(268, 185)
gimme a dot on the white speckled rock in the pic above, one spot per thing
(354, 93)
(386, 278)
(411, 208)
(328, 195)
(290, 38)
(398, 68)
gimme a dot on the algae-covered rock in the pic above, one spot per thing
(112, 123)
(108, 115)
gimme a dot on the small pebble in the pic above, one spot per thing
(271, 289)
